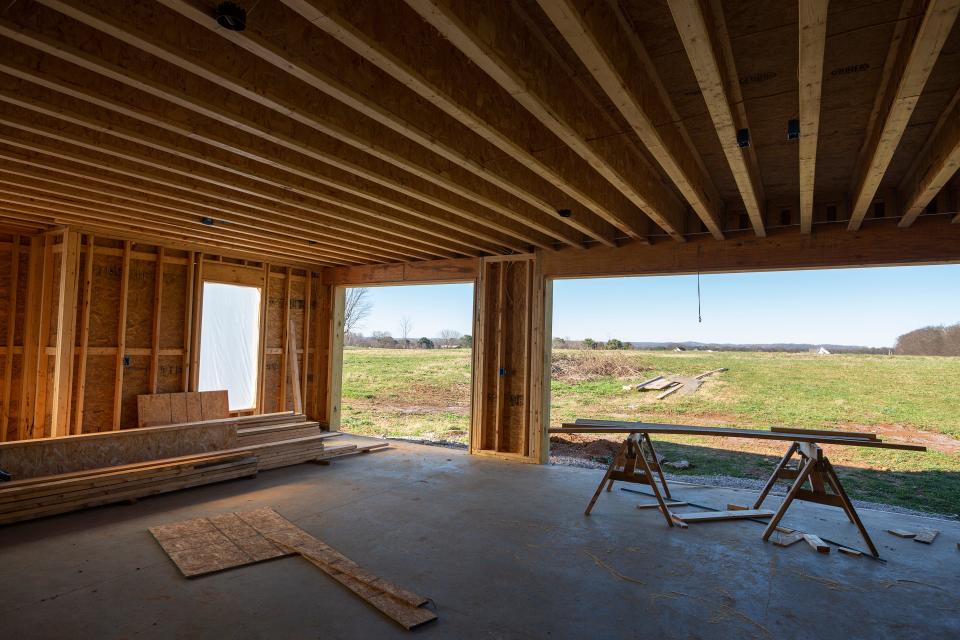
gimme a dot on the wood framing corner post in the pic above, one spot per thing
(511, 359)
(334, 360)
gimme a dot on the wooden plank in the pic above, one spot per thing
(66, 332)
(785, 540)
(154, 410)
(813, 38)
(307, 316)
(900, 533)
(155, 332)
(84, 335)
(214, 405)
(285, 354)
(39, 380)
(196, 320)
(294, 369)
(11, 333)
(261, 356)
(711, 516)
(909, 68)
(121, 335)
(615, 426)
(825, 432)
(707, 44)
(926, 537)
(188, 322)
(816, 543)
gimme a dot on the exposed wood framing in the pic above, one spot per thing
(936, 164)
(188, 325)
(11, 334)
(121, 335)
(813, 37)
(31, 331)
(620, 65)
(335, 362)
(86, 303)
(39, 408)
(703, 30)
(261, 355)
(285, 353)
(155, 330)
(66, 333)
(912, 56)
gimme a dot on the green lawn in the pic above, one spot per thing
(426, 394)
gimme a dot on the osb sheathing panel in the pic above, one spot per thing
(140, 304)
(173, 306)
(515, 382)
(275, 312)
(28, 459)
(98, 400)
(135, 382)
(169, 374)
(271, 383)
(105, 301)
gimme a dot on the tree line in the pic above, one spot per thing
(930, 341)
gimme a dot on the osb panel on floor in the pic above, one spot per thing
(207, 545)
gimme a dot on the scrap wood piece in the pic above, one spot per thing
(850, 552)
(689, 388)
(646, 383)
(676, 386)
(207, 545)
(816, 543)
(710, 373)
(712, 516)
(900, 533)
(403, 606)
(656, 384)
(926, 537)
(736, 507)
(787, 539)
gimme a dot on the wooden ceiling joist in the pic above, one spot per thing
(618, 62)
(286, 98)
(500, 58)
(913, 54)
(109, 125)
(498, 120)
(218, 106)
(937, 162)
(408, 120)
(141, 163)
(703, 31)
(299, 174)
(813, 37)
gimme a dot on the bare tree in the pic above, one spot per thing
(448, 337)
(356, 308)
(406, 328)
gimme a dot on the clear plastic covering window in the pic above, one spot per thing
(229, 341)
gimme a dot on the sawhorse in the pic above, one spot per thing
(624, 467)
(814, 467)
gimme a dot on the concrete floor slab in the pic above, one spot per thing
(502, 548)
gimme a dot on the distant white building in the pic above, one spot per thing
(822, 351)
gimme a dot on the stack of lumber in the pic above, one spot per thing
(262, 434)
(252, 444)
(51, 495)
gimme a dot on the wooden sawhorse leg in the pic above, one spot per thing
(815, 468)
(623, 467)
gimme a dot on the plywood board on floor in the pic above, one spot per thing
(208, 545)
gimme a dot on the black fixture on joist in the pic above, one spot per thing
(231, 16)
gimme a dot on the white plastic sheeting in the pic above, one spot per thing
(229, 342)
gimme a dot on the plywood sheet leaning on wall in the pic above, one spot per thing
(32, 458)
(174, 408)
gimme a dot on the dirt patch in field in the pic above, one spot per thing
(580, 366)
(899, 433)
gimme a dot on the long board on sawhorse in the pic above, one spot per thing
(630, 464)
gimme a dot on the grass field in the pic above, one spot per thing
(426, 394)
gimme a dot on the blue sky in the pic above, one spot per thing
(868, 307)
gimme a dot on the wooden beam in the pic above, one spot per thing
(285, 354)
(909, 65)
(936, 163)
(307, 316)
(261, 348)
(11, 334)
(31, 337)
(188, 314)
(813, 37)
(155, 326)
(425, 272)
(43, 337)
(408, 123)
(121, 336)
(932, 241)
(284, 99)
(86, 303)
(498, 120)
(197, 321)
(642, 187)
(703, 31)
(335, 365)
(597, 32)
(294, 369)
(66, 334)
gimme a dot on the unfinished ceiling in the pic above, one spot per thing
(336, 132)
